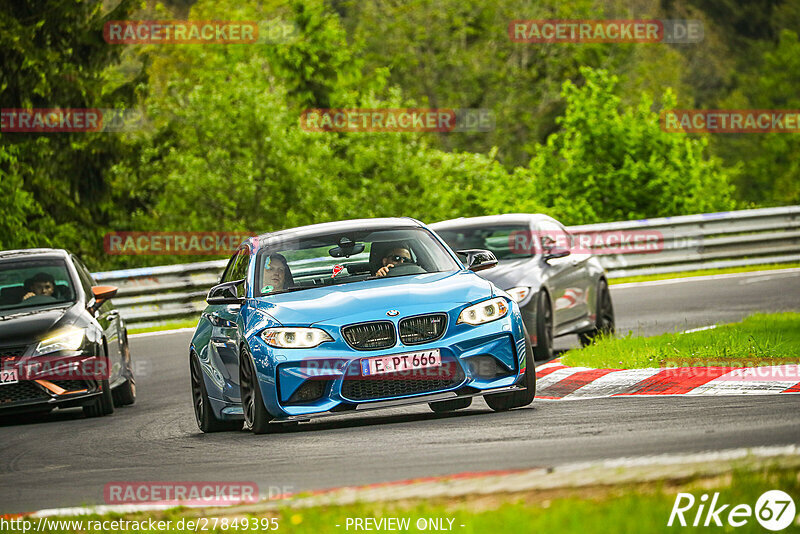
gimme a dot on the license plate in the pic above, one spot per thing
(9, 375)
(401, 362)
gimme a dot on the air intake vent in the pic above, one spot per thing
(370, 336)
(422, 328)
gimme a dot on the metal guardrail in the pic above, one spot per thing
(153, 295)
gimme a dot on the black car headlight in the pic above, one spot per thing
(484, 312)
(70, 338)
(520, 294)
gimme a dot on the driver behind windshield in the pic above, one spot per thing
(393, 257)
(39, 284)
(276, 275)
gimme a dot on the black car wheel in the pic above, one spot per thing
(500, 402)
(544, 328)
(604, 322)
(125, 393)
(102, 404)
(256, 417)
(204, 415)
(450, 405)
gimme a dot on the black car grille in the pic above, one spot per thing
(398, 385)
(21, 392)
(422, 328)
(370, 336)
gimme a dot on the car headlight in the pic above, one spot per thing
(295, 338)
(519, 294)
(484, 312)
(68, 339)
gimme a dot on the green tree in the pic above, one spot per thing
(606, 164)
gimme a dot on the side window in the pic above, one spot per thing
(227, 275)
(237, 269)
(553, 235)
(84, 276)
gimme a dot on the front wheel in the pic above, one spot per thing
(500, 402)
(204, 415)
(256, 416)
(125, 393)
(604, 312)
(544, 328)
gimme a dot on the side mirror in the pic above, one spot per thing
(225, 293)
(554, 253)
(478, 259)
(101, 294)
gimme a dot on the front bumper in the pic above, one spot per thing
(481, 359)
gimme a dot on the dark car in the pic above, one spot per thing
(560, 288)
(62, 343)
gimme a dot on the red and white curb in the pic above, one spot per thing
(556, 381)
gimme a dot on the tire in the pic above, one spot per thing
(206, 420)
(450, 405)
(501, 402)
(256, 417)
(604, 312)
(101, 405)
(125, 393)
(544, 328)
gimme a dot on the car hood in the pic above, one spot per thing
(28, 326)
(371, 299)
(507, 273)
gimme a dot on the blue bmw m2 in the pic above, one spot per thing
(351, 316)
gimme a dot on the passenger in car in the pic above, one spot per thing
(39, 284)
(277, 276)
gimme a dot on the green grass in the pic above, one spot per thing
(703, 272)
(761, 339)
(171, 325)
(634, 508)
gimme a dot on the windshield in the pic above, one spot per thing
(354, 256)
(34, 283)
(500, 240)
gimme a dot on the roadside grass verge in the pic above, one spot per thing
(761, 339)
(637, 507)
(703, 272)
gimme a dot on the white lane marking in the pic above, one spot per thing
(164, 332)
(703, 278)
(764, 278)
(710, 327)
(612, 383)
(741, 388)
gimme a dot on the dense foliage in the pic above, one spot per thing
(576, 132)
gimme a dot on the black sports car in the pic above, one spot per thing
(62, 343)
(560, 287)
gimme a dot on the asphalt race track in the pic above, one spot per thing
(65, 460)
